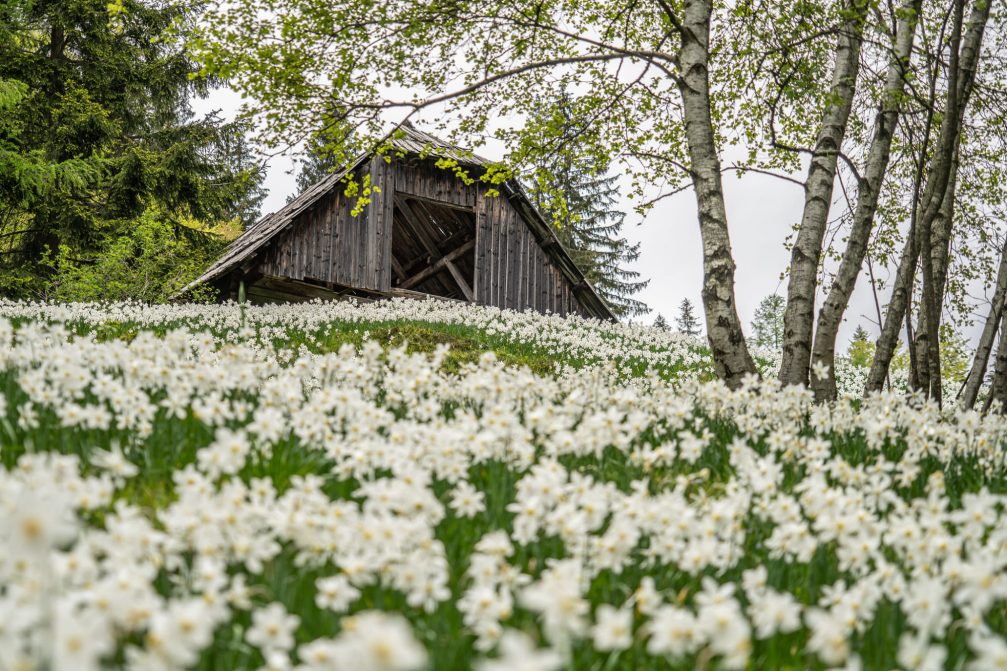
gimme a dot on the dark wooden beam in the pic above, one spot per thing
(416, 226)
(460, 236)
(434, 201)
(462, 283)
(456, 239)
(397, 267)
(439, 265)
(290, 287)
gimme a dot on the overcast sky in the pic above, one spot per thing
(762, 211)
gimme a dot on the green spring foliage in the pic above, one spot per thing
(98, 135)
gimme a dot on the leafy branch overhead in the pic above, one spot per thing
(473, 66)
(467, 66)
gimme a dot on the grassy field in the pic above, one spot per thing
(426, 486)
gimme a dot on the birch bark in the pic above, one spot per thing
(964, 61)
(980, 362)
(889, 337)
(731, 357)
(830, 316)
(998, 387)
(798, 319)
(940, 241)
(962, 69)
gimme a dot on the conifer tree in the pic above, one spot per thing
(767, 326)
(687, 322)
(312, 167)
(861, 351)
(660, 322)
(317, 160)
(101, 105)
(581, 197)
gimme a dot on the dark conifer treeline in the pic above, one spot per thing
(98, 141)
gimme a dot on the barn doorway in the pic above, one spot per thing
(433, 248)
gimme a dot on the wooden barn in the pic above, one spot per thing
(424, 233)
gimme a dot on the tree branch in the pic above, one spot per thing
(672, 17)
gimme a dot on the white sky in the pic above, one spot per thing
(762, 211)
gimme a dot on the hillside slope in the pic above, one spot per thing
(425, 486)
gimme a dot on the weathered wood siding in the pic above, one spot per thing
(512, 269)
(426, 180)
(327, 244)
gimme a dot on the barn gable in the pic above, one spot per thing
(425, 232)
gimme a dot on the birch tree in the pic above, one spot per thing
(868, 192)
(966, 38)
(723, 326)
(675, 93)
(970, 389)
(807, 251)
(663, 86)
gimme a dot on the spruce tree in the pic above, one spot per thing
(577, 193)
(102, 95)
(861, 350)
(317, 159)
(660, 322)
(312, 167)
(687, 322)
(767, 327)
(315, 162)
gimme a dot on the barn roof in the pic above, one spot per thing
(411, 141)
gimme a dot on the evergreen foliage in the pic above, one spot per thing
(767, 326)
(661, 323)
(575, 190)
(861, 350)
(687, 322)
(149, 261)
(955, 357)
(314, 164)
(97, 133)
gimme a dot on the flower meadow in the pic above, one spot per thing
(421, 485)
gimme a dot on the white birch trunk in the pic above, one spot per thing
(981, 360)
(723, 327)
(830, 317)
(798, 319)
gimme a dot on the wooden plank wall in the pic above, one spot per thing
(425, 180)
(512, 269)
(327, 244)
(380, 215)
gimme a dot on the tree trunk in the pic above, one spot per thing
(798, 320)
(937, 188)
(962, 68)
(727, 341)
(830, 317)
(889, 337)
(940, 245)
(961, 74)
(998, 387)
(974, 380)
(943, 229)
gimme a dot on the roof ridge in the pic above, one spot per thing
(431, 143)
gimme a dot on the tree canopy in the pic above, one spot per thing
(887, 114)
(97, 131)
(581, 196)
